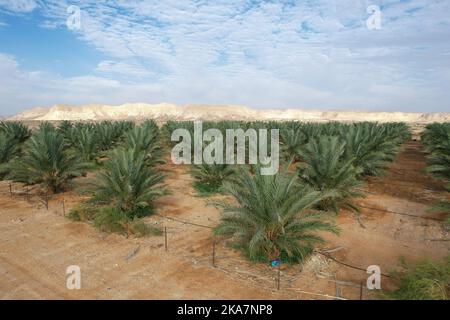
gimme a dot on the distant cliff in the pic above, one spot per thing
(165, 111)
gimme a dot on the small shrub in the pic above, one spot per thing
(111, 220)
(209, 178)
(82, 212)
(424, 280)
(141, 229)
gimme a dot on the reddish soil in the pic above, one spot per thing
(37, 245)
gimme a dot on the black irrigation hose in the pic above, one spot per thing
(184, 221)
(401, 213)
(349, 265)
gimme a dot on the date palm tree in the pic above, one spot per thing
(109, 134)
(271, 216)
(434, 134)
(146, 138)
(17, 130)
(439, 162)
(370, 146)
(292, 139)
(326, 170)
(128, 183)
(46, 160)
(209, 178)
(8, 147)
(84, 143)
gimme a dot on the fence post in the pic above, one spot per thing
(10, 189)
(46, 200)
(214, 255)
(279, 276)
(64, 207)
(165, 237)
(361, 290)
(27, 194)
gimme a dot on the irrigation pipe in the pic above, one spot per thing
(348, 265)
(184, 222)
(315, 294)
(400, 213)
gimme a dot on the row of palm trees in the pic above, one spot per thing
(277, 217)
(53, 156)
(436, 139)
(128, 182)
(125, 154)
(330, 157)
(270, 217)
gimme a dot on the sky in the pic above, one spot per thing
(387, 55)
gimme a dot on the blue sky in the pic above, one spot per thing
(264, 54)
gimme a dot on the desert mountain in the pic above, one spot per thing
(165, 111)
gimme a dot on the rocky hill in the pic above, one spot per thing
(165, 111)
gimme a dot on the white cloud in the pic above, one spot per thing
(275, 54)
(124, 69)
(18, 6)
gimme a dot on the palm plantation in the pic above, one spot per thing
(283, 216)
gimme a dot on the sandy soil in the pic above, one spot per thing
(37, 245)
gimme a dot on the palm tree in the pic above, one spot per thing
(84, 143)
(434, 134)
(439, 162)
(45, 161)
(47, 126)
(8, 147)
(17, 130)
(271, 216)
(128, 183)
(326, 170)
(370, 146)
(145, 138)
(291, 141)
(210, 177)
(65, 127)
(109, 134)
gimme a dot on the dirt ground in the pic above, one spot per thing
(37, 245)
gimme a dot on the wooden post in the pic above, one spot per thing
(64, 207)
(214, 255)
(27, 194)
(361, 290)
(165, 237)
(46, 200)
(10, 189)
(279, 276)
